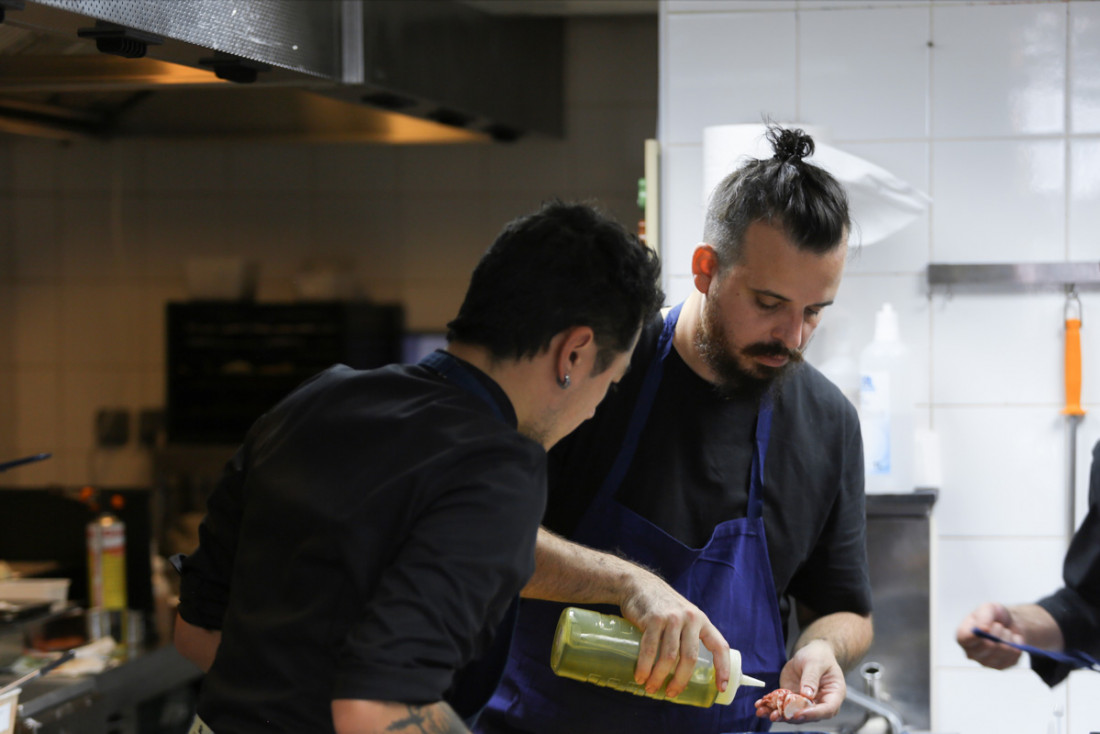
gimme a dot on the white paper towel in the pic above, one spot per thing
(880, 202)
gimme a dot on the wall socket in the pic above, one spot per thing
(112, 427)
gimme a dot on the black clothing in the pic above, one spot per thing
(691, 471)
(1076, 606)
(365, 542)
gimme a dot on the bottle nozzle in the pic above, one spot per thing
(737, 679)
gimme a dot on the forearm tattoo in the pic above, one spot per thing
(432, 719)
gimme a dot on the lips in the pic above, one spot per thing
(772, 360)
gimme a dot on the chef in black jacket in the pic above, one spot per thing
(719, 490)
(361, 557)
(1068, 619)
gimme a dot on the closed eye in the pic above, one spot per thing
(766, 306)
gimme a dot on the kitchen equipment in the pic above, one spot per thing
(106, 537)
(4, 466)
(14, 611)
(603, 649)
(13, 614)
(54, 591)
(9, 693)
(39, 671)
(887, 402)
(1073, 411)
(8, 708)
(1075, 658)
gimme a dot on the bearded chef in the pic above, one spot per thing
(719, 488)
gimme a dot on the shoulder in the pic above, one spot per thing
(816, 429)
(808, 395)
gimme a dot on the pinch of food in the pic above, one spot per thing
(787, 703)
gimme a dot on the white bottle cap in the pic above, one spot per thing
(737, 679)
(886, 324)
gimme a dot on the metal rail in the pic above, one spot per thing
(1024, 274)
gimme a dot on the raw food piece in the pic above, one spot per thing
(787, 703)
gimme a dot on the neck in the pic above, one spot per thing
(687, 327)
(517, 378)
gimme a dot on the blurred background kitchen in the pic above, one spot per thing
(147, 228)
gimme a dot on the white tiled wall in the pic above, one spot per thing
(94, 236)
(992, 109)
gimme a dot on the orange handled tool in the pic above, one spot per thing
(1073, 363)
(1073, 410)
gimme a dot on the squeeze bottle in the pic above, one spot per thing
(886, 407)
(603, 649)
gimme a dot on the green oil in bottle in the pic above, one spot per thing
(603, 649)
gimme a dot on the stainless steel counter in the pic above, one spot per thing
(899, 539)
(103, 702)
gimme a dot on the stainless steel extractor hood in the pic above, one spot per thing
(367, 70)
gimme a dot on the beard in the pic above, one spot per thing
(736, 380)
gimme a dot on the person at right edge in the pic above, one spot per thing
(1068, 619)
(719, 486)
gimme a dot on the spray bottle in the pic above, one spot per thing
(603, 649)
(106, 556)
(887, 400)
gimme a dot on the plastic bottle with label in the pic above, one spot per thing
(603, 649)
(887, 405)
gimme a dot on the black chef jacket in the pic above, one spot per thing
(692, 466)
(365, 542)
(1076, 606)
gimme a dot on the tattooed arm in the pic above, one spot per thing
(355, 716)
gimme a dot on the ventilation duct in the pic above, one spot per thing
(368, 70)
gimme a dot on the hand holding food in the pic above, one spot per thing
(781, 705)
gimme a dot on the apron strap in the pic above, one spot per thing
(640, 416)
(642, 407)
(451, 369)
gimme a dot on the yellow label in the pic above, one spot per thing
(107, 563)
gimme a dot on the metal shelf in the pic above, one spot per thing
(1022, 274)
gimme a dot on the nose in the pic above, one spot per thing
(791, 331)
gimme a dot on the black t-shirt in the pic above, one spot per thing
(1076, 606)
(693, 462)
(364, 543)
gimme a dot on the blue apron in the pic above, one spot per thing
(729, 578)
(474, 684)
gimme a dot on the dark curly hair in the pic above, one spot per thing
(563, 266)
(785, 191)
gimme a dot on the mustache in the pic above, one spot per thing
(773, 349)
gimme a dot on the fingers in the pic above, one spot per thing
(713, 640)
(647, 652)
(687, 655)
(997, 620)
(672, 629)
(991, 654)
(668, 650)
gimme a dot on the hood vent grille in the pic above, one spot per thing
(365, 70)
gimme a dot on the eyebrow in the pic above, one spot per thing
(773, 294)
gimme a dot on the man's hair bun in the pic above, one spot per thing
(790, 146)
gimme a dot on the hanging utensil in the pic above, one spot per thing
(18, 682)
(5, 465)
(1073, 411)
